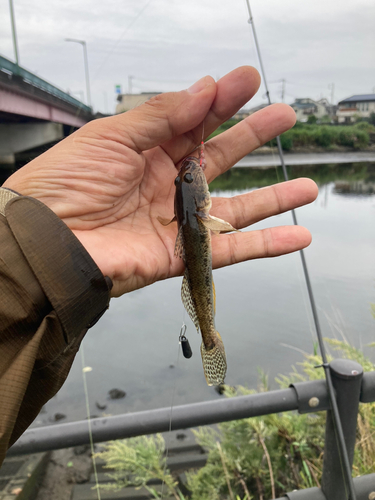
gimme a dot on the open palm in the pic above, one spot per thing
(111, 179)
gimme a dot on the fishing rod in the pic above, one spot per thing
(331, 392)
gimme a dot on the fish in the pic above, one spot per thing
(193, 244)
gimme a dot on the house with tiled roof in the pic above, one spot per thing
(305, 107)
(361, 105)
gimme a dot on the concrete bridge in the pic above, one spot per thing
(33, 112)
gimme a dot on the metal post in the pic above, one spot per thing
(87, 73)
(83, 43)
(346, 378)
(14, 33)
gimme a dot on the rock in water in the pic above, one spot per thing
(116, 394)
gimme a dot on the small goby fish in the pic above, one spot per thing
(193, 244)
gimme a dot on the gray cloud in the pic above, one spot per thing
(168, 44)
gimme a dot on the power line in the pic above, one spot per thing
(110, 52)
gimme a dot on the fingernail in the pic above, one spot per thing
(198, 86)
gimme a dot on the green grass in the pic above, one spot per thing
(325, 136)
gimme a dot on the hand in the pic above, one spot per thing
(111, 179)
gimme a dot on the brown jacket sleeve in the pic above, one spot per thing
(51, 292)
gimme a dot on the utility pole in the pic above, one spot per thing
(105, 102)
(332, 87)
(130, 78)
(282, 89)
(14, 33)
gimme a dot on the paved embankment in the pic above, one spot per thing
(273, 160)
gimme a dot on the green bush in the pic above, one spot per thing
(135, 462)
(353, 137)
(302, 136)
(364, 125)
(286, 142)
(311, 120)
(324, 136)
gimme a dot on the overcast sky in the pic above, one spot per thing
(168, 44)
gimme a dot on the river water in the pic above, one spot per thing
(263, 313)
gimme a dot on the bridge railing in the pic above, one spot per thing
(352, 386)
(35, 81)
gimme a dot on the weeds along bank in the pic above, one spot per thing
(252, 458)
(358, 136)
(305, 135)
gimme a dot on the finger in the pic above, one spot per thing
(234, 90)
(163, 117)
(272, 242)
(226, 149)
(246, 209)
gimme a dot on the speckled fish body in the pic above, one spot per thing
(193, 244)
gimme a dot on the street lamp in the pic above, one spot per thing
(83, 43)
(14, 33)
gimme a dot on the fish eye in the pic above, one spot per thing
(188, 178)
(177, 180)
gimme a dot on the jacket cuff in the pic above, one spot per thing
(70, 279)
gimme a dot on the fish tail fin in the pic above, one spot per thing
(214, 362)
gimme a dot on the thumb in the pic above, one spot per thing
(164, 116)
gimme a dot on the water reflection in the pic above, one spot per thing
(250, 178)
(361, 188)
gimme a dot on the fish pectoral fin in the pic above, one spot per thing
(215, 224)
(179, 245)
(166, 222)
(187, 300)
(214, 362)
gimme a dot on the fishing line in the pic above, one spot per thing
(89, 421)
(110, 52)
(347, 473)
(167, 444)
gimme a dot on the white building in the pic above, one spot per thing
(131, 101)
(306, 107)
(356, 106)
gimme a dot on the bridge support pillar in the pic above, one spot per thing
(18, 137)
(7, 159)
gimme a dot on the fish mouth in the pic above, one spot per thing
(187, 163)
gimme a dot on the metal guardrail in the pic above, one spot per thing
(351, 386)
(35, 81)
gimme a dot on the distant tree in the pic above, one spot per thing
(311, 120)
(372, 118)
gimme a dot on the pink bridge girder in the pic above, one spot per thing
(12, 102)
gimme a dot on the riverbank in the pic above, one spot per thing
(269, 157)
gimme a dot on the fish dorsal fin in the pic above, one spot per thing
(215, 224)
(179, 245)
(187, 300)
(214, 295)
